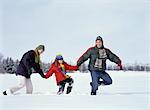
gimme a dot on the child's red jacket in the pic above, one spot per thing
(58, 74)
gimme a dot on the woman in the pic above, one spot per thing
(30, 59)
(59, 67)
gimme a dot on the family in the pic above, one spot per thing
(97, 66)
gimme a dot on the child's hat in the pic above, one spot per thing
(59, 57)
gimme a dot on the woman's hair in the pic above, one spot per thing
(37, 56)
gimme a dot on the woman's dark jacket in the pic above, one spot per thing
(27, 63)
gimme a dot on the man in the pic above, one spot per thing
(97, 64)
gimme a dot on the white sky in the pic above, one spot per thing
(71, 26)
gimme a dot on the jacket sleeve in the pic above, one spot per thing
(50, 72)
(84, 57)
(42, 74)
(70, 67)
(38, 69)
(112, 57)
(36, 66)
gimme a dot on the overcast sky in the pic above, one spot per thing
(70, 27)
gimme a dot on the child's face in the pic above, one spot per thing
(60, 61)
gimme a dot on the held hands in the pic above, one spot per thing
(46, 77)
(77, 67)
(42, 74)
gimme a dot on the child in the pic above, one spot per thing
(59, 67)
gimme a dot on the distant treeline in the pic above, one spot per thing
(8, 65)
(127, 67)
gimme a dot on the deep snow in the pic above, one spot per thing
(129, 91)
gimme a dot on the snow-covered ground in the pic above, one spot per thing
(129, 91)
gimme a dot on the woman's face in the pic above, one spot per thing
(60, 61)
(40, 51)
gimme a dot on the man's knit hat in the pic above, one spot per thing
(99, 38)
